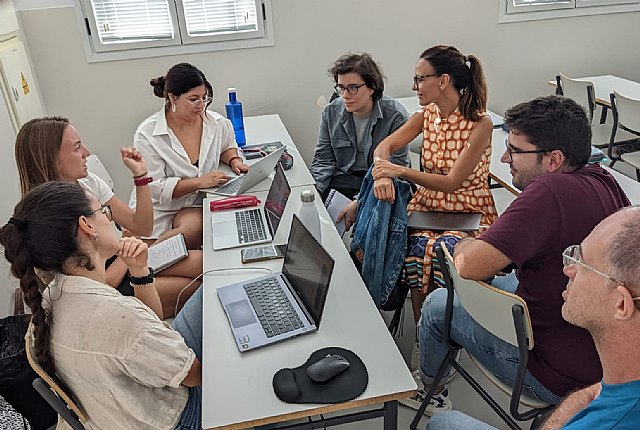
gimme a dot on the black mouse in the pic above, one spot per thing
(327, 368)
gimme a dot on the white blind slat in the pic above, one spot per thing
(132, 20)
(208, 17)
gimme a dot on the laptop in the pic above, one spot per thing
(258, 172)
(283, 305)
(242, 227)
(444, 221)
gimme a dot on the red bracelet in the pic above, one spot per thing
(142, 181)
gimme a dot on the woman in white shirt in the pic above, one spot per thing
(124, 366)
(51, 149)
(183, 145)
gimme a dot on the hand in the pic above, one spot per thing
(133, 252)
(213, 179)
(384, 190)
(385, 169)
(238, 166)
(132, 158)
(349, 214)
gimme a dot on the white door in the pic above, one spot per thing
(9, 196)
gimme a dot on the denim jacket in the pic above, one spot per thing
(380, 238)
(336, 149)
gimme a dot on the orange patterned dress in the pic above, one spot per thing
(443, 140)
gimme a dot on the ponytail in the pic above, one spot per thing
(473, 102)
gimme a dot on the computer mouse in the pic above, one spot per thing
(327, 368)
(286, 161)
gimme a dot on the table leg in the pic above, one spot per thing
(391, 415)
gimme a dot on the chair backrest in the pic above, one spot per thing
(579, 91)
(490, 307)
(51, 383)
(97, 168)
(627, 111)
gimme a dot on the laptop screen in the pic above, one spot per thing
(308, 268)
(277, 199)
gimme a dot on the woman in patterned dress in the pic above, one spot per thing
(455, 156)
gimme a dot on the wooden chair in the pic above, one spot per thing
(506, 316)
(582, 92)
(626, 118)
(47, 387)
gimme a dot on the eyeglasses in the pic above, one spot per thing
(573, 255)
(351, 89)
(419, 78)
(106, 210)
(198, 102)
(511, 150)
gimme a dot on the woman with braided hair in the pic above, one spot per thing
(120, 361)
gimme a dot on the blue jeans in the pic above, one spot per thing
(188, 323)
(499, 357)
(449, 420)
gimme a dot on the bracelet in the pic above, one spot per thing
(233, 158)
(141, 175)
(142, 181)
(143, 280)
(136, 286)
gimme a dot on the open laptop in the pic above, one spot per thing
(242, 227)
(283, 305)
(444, 221)
(258, 172)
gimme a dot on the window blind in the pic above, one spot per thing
(210, 17)
(132, 20)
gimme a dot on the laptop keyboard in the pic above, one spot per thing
(274, 310)
(250, 226)
(231, 187)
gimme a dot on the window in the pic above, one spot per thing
(119, 29)
(525, 10)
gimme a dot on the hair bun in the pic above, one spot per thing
(158, 86)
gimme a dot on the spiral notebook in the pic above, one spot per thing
(335, 202)
(167, 253)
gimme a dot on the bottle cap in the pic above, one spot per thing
(307, 196)
(231, 90)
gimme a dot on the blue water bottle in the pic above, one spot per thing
(234, 113)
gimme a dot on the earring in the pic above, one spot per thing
(94, 236)
(173, 107)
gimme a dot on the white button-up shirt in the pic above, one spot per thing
(123, 364)
(168, 162)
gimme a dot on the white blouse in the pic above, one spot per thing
(168, 162)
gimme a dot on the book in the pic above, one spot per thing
(335, 203)
(167, 253)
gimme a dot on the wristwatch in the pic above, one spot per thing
(143, 280)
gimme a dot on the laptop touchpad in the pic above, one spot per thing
(240, 313)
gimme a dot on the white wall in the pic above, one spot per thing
(107, 100)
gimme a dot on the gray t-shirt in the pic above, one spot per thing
(362, 151)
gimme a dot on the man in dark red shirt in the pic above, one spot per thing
(563, 198)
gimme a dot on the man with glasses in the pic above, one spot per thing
(353, 124)
(603, 297)
(563, 198)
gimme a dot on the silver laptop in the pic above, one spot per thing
(242, 227)
(444, 221)
(258, 172)
(282, 305)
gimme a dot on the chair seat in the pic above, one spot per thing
(416, 145)
(601, 135)
(632, 158)
(524, 400)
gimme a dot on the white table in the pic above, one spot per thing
(236, 388)
(500, 171)
(604, 85)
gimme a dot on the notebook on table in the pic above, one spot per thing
(258, 172)
(282, 305)
(444, 221)
(242, 227)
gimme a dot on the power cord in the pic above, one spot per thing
(208, 272)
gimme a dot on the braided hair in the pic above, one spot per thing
(40, 239)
